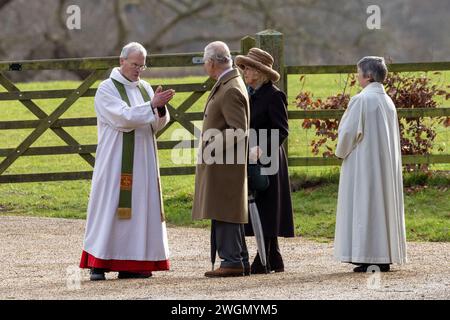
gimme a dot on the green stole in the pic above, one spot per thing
(126, 175)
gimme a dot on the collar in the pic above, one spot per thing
(224, 77)
(261, 89)
(252, 91)
(374, 87)
(116, 75)
(224, 73)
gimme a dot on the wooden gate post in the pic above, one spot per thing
(272, 41)
(246, 44)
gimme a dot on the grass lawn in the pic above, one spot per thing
(427, 209)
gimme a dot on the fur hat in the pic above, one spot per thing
(258, 59)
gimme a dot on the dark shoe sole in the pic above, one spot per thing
(97, 274)
(230, 275)
(261, 272)
(363, 268)
(133, 276)
(97, 277)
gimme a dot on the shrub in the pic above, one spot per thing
(417, 134)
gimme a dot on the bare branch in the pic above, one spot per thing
(171, 6)
(121, 19)
(4, 3)
(205, 39)
(176, 20)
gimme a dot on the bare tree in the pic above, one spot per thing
(183, 10)
(4, 3)
(315, 31)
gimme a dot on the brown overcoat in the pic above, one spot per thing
(221, 189)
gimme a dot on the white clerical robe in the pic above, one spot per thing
(370, 226)
(143, 237)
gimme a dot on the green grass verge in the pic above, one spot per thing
(427, 209)
(427, 205)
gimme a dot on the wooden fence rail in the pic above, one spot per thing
(268, 40)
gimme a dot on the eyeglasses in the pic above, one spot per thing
(138, 67)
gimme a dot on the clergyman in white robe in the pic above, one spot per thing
(138, 244)
(370, 226)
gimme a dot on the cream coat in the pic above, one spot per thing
(370, 225)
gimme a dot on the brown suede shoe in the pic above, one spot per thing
(225, 272)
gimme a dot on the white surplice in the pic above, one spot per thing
(143, 237)
(370, 226)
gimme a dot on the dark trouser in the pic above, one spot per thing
(230, 243)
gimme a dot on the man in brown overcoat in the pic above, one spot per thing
(221, 173)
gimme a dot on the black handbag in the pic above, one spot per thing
(256, 180)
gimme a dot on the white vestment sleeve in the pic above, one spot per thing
(351, 127)
(114, 111)
(160, 122)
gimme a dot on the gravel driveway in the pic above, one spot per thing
(39, 258)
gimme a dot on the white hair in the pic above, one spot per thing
(132, 47)
(218, 51)
(373, 67)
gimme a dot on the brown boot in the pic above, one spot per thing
(225, 272)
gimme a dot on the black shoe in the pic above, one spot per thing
(247, 269)
(364, 266)
(276, 262)
(279, 269)
(97, 274)
(258, 268)
(133, 275)
(275, 258)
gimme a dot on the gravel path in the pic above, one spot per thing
(39, 257)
